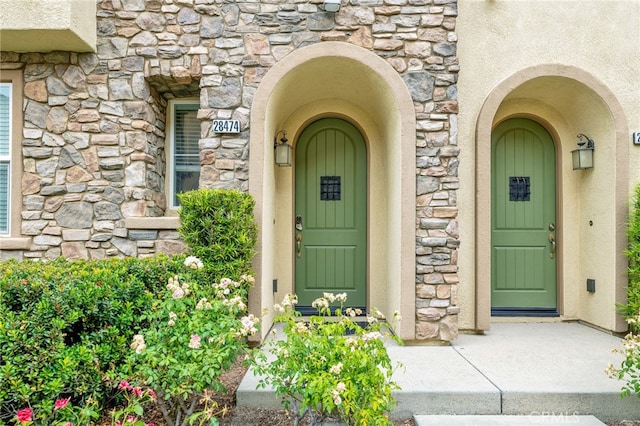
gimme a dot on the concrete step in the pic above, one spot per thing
(422, 420)
(520, 370)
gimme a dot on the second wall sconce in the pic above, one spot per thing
(583, 156)
(283, 150)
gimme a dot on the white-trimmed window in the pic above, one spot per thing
(184, 155)
(6, 98)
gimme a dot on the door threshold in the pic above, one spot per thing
(524, 312)
(307, 311)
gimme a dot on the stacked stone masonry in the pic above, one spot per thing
(93, 145)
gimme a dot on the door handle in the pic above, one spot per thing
(298, 245)
(552, 240)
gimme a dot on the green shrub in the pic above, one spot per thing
(632, 308)
(66, 325)
(195, 333)
(330, 368)
(218, 227)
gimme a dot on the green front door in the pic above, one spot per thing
(331, 213)
(523, 181)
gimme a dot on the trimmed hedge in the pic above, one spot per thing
(65, 326)
(219, 228)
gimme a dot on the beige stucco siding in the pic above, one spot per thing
(47, 25)
(590, 51)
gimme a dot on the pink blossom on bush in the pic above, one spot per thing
(25, 415)
(124, 385)
(60, 404)
(194, 343)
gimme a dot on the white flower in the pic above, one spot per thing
(320, 303)
(397, 316)
(278, 309)
(336, 397)
(193, 262)
(178, 293)
(340, 387)
(336, 369)
(248, 279)
(194, 342)
(249, 323)
(138, 343)
(371, 336)
(289, 300)
(330, 297)
(172, 319)
(203, 304)
(342, 297)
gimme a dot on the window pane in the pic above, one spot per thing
(5, 140)
(186, 154)
(5, 120)
(4, 197)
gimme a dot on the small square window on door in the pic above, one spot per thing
(330, 188)
(519, 188)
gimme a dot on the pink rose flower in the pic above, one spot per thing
(60, 404)
(137, 391)
(124, 385)
(25, 415)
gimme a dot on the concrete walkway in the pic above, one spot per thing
(532, 370)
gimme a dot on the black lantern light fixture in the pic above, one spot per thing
(283, 150)
(583, 156)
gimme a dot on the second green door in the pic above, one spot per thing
(523, 234)
(331, 213)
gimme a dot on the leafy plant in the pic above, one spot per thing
(632, 308)
(195, 333)
(218, 227)
(329, 367)
(65, 325)
(629, 370)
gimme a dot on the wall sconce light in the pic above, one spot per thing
(283, 150)
(583, 156)
(331, 5)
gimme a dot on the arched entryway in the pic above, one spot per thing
(340, 81)
(591, 204)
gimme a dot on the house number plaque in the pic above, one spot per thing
(226, 126)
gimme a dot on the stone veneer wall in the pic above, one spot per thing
(94, 143)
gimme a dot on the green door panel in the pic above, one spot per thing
(331, 200)
(523, 262)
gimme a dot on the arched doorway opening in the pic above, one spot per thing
(590, 203)
(337, 80)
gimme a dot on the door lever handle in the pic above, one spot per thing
(552, 240)
(299, 245)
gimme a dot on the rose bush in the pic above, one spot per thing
(330, 367)
(196, 331)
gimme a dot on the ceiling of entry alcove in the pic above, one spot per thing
(568, 96)
(336, 78)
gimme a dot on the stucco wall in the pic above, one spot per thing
(596, 45)
(47, 25)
